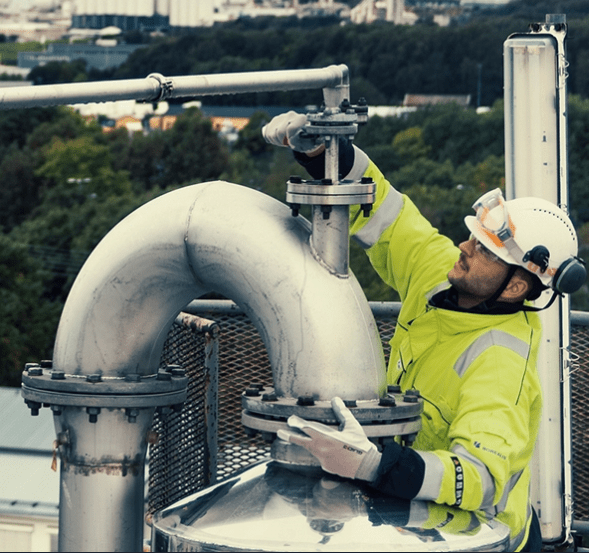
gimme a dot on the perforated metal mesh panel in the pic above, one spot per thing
(580, 424)
(179, 463)
(243, 361)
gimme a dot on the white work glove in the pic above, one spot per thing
(287, 129)
(346, 452)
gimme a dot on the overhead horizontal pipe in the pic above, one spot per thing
(156, 87)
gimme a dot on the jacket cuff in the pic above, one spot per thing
(401, 472)
(315, 166)
(368, 468)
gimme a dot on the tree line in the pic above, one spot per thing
(66, 183)
(386, 61)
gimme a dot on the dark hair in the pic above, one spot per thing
(536, 286)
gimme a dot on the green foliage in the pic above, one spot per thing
(66, 183)
(59, 72)
(194, 152)
(9, 50)
(28, 320)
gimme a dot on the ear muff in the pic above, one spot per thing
(571, 275)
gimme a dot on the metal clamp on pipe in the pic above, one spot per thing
(166, 86)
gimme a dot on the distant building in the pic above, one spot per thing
(95, 56)
(422, 100)
(149, 15)
(369, 11)
(142, 14)
(29, 494)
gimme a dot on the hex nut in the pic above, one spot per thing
(387, 401)
(306, 401)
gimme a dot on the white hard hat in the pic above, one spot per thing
(532, 233)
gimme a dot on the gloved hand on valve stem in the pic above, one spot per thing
(288, 130)
(346, 452)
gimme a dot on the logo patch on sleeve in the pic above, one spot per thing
(459, 481)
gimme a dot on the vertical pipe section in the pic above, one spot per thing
(535, 156)
(331, 235)
(102, 481)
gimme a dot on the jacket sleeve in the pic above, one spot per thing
(406, 251)
(492, 435)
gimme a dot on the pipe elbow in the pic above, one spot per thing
(318, 328)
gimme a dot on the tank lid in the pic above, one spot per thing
(271, 507)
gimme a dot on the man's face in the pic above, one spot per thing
(477, 274)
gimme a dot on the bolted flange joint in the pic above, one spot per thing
(327, 194)
(48, 386)
(389, 416)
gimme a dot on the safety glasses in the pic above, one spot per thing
(482, 249)
(495, 222)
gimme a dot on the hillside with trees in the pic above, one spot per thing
(66, 183)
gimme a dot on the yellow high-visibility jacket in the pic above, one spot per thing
(476, 372)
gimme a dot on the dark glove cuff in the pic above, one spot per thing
(315, 166)
(401, 472)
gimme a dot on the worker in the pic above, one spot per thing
(467, 338)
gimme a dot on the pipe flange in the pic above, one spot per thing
(44, 386)
(375, 429)
(35, 398)
(262, 400)
(165, 381)
(324, 192)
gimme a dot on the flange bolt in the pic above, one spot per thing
(411, 396)
(33, 406)
(305, 401)
(34, 369)
(93, 413)
(387, 401)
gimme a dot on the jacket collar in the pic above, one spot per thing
(448, 299)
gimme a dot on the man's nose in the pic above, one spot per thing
(467, 247)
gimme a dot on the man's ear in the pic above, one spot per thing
(517, 289)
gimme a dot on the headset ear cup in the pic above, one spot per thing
(571, 275)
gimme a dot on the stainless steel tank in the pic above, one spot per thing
(272, 507)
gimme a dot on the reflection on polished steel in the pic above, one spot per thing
(269, 507)
(247, 247)
(218, 237)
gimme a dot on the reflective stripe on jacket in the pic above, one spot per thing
(476, 372)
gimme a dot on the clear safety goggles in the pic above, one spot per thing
(482, 249)
(495, 223)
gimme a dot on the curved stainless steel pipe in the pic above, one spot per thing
(318, 328)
